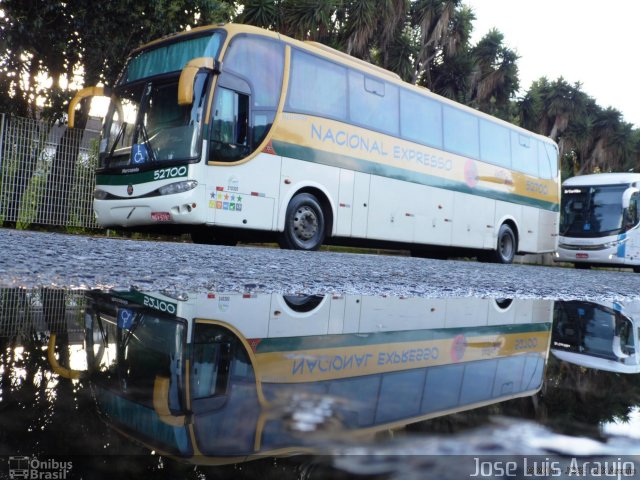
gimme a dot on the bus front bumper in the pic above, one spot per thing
(609, 253)
(188, 208)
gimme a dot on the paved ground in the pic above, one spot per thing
(34, 259)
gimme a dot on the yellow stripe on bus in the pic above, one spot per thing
(344, 362)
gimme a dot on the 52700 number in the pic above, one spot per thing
(170, 173)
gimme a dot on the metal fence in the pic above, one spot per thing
(27, 312)
(47, 173)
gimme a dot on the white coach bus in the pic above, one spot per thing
(599, 221)
(231, 132)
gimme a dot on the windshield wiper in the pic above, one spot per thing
(141, 129)
(147, 142)
(121, 132)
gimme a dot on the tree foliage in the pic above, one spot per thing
(426, 42)
(83, 41)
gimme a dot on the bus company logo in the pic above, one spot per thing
(471, 173)
(34, 468)
(233, 184)
(130, 190)
(458, 348)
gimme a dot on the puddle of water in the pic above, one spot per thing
(212, 382)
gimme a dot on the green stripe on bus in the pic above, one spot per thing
(143, 177)
(374, 168)
(289, 344)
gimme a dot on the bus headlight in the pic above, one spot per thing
(614, 243)
(178, 187)
(99, 194)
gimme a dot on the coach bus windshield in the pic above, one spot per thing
(145, 124)
(592, 329)
(592, 211)
(145, 344)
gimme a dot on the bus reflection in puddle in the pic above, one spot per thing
(600, 336)
(219, 378)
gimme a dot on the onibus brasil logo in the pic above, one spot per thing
(34, 468)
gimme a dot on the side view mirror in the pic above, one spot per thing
(82, 94)
(626, 196)
(161, 403)
(188, 75)
(64, 372)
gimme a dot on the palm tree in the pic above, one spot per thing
(433, 21)
(361, 22)
(494, 80)
(310, 19)
(261, 13)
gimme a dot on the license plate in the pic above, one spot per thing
(582, 255)
(160, 216)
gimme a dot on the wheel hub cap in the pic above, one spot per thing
(305, 223)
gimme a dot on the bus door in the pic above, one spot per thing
(631, 221)
(241, 194)
(244, 109)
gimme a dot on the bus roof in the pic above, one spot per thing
(340, 57)
(624, 178)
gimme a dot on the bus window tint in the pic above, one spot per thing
(170, 58)
(373, 103)
(495, 145)
(420, 119)
(524, 153)
(317, 86)
(261, 62)
(461, 132)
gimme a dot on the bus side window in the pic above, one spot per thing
(524, 152)
(230, 127)
(495, 144)
(544, 161)
(211, 359)
(461, 132)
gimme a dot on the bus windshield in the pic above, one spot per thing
(145, 344)
(592, 211)
(145, 124)
(592, 329)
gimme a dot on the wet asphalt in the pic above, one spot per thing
(35, 259)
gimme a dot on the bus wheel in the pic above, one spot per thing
(304, 227)
(506, 247)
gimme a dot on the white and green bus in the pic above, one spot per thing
(214, 377)
(599, 223)
(231, 132)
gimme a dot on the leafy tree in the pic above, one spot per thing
(426, 42)
(80, 38)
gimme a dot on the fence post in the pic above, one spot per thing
(2, 115)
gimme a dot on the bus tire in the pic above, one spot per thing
(506, 246)
(304, 225)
